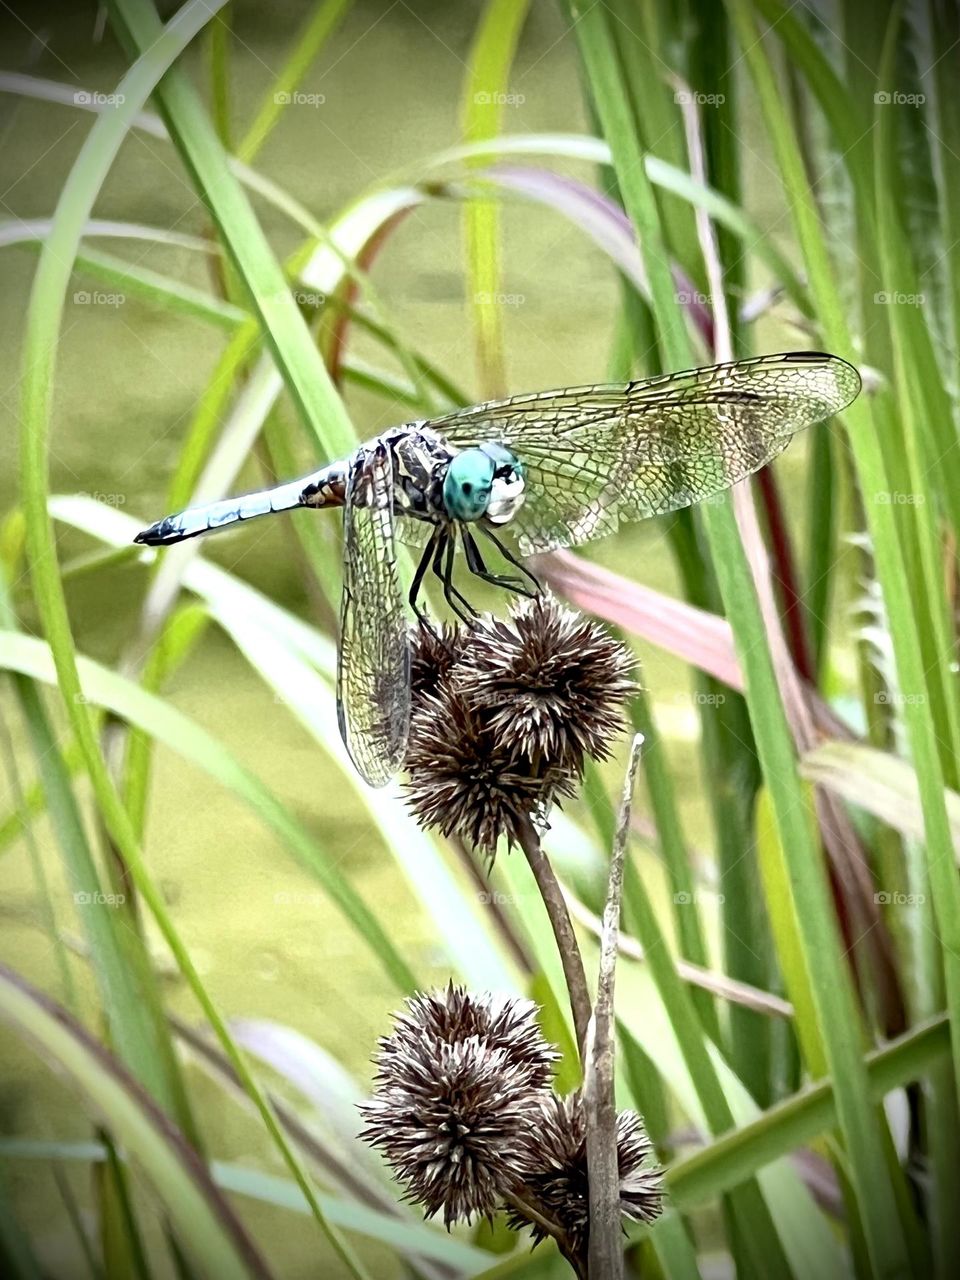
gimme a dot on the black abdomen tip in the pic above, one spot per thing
(160, 534)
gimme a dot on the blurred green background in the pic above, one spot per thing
(264, 937)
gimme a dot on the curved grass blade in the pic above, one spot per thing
(322, 410)
(788, 1125)
(662, 174)
(204, 1222)
(600, 219)
(878, 783)
(43, 321)
(484, 96)
(102, 687)
(151, 1056)
(874, 480)
(316, 31)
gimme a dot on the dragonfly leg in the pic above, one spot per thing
(443, 568)
(512, 559)
(476, 565)
(418, 577)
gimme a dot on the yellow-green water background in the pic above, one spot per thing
(129, 378)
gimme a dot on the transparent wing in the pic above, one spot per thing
(594, 456)
(373, 669)
(413, 533)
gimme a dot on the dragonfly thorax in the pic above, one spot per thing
(485, 482)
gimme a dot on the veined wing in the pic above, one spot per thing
(595, 456)
(373, 666)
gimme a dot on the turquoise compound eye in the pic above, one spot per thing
(505, 462)
(466, 486)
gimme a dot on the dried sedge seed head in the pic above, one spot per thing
(459, 1093)
(462, 778)
(550, 681)
(432, 655)
(503, 1022)
(559, 1184)
(504, 713)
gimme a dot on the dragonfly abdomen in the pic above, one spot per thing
(322, 489)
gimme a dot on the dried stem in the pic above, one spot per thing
(500, 918)
(605, 1249)
(567, 945)
(530, 1211)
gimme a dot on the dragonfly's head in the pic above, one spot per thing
(484, 482)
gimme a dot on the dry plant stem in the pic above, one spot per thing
(718, 984)
(605, 1246)
(532, 1214)
(500, 918)
(567, 945)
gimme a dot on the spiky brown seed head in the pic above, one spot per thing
(433, 653)
(504, 713)
(463, 779)
(558, 1182)
(503, 1022)
(549, 681)
(459, 1093)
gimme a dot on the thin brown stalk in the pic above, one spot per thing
(712, 980)
(549, 1227)
(501, 920)
(562, 925)
(605, 1247)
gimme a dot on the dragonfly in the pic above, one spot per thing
(546, 470)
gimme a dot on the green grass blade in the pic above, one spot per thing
(697, 1179)
(316, 31)
(892, 573)
(218, 37)
(34, 800)
(836, 1009)
(153, 286)
(204, 1221)
(484, 97)
(676, 1252)
(102, 687)
(16, 1254)
(194, 136)
(747, 1204)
